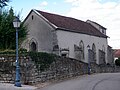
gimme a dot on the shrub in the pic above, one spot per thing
(42, 59)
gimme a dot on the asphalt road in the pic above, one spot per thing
(8, 86)
(106, 81)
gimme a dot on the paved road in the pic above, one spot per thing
(107, 81)
(7, 86)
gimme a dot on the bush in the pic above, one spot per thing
(42, 59)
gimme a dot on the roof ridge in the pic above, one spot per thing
(59, 15)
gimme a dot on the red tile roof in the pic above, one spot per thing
(117, 53)
(71, 24)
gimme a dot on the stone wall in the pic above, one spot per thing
(8, 67)
(61, 68)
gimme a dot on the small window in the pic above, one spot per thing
(32, 17)
(102, 31)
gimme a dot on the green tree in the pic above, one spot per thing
(3, 3)
(7, 31)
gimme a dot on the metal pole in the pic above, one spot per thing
(88, 61)
(17, 79)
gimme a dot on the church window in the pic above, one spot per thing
(94, 52)
(33, 47)
(81, 49)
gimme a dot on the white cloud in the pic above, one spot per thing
(54, 3)
(44, 3)
(107, 14)
(42, 6)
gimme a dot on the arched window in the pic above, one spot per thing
(33, 47)
(81, 50)
(94, 52)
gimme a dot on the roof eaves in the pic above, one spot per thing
(64, 29)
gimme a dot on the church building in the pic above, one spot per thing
(66, 36)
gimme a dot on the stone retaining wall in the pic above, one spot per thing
(59, 69)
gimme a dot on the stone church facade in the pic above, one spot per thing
(65, 36)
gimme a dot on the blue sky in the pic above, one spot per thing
(24, 6)
(104, 12)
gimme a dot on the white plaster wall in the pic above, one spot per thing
(41, 31)
(68, 39)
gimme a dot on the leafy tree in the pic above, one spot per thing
(8, 32)
(3, 3)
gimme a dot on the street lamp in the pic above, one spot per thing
(88, 47)
(16, 24)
